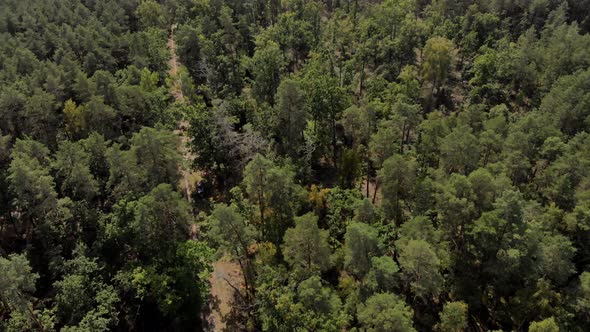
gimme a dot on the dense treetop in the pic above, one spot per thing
(395, 165)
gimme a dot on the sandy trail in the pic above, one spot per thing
(188, 178)
(224, 270)
(222, 294)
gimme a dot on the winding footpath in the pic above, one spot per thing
(187, 177)
(226, 275)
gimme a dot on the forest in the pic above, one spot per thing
(295, 165)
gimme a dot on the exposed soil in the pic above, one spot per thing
(222, 294)
(225, 272)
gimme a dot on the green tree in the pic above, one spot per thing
(546, 325)
(291, 118)
(431, 132)
(175, 284)
(453, 317)
(396, 178)
(72, 166)
(125, 176)
(385, 312)
(555, 254)
(17, 283)
(29, 179)
(422, 228)
(383, 276)
(326, 100)
(231, 232)
(98, 117)
(365, 212)
(162, 216)
(361, 244)
(41, 119)
(188, 48)
(456, 208)
(384, 143)
(421, 268)
(152, 159)
(147, 51)
(294, 34)
(459, 151)
(438, 57)
(358, 124)
(157, 153)
(583, 300)
(484, 189)
(340, 205)
(266, 66)
(150, 14)
(306, 245)
(95, 146)
(272, 189)
(322, 304)
(491, 139)
(208, 143)
(83, 299)
(567, 103)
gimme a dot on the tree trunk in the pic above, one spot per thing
(375, 192)
(368, 180)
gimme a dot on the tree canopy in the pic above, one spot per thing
(294, 165)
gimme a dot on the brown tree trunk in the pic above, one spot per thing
(375, 192)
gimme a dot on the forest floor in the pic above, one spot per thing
(187, 181)
(221, 294)
(373, 196)
(225, 272)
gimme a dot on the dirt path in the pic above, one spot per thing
(225, 271)
(173, 65)
(188, 178)
(222, 294)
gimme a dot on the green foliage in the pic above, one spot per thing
(583, 301)
(384, 143)
(459, 151)
(160, 216)
(566, 103)
(383, 275)
(157, 153)
(438, 61)
(547, 325)
(346, 156)
(306, 246)
(322, 304)
(152, 159)
(83, 301)
(361, 244)
(397, 177)
(230, 230)
(385, 312)
(421, 268)
(340, 205)
(188, 48)
(17, 283)
(150, 14)
(29, 179)
(326, 100)
(266, 66)
(272, 189)
(453, 317)
(291, 117)
(72, 165)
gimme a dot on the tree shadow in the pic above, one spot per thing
(237, 318)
